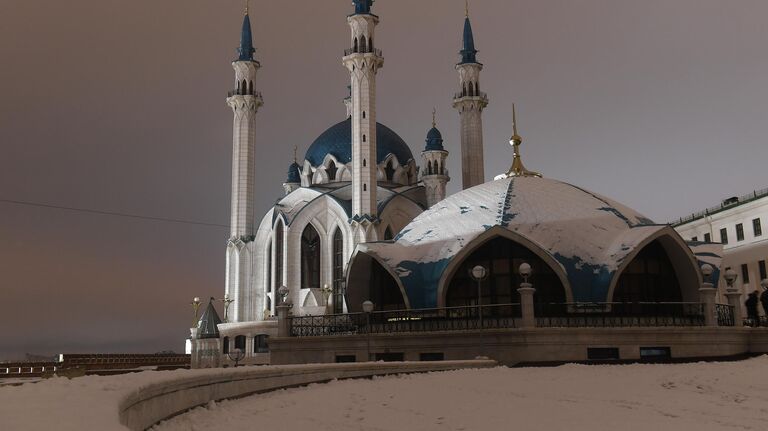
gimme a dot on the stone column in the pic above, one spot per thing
(526, 292)
(707, 294)
(283, 322)
(734, 300)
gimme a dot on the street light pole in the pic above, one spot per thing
(227, 302)
(479, 273)
(367, 309)
(196, 306)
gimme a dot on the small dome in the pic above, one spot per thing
(434, 140)
(293, 173)
(337, 141)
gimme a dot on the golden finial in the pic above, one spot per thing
(466, 8)
(246, 6)
(434, 117)
(517, 169)
(295, 149)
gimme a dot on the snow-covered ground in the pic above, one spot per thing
(700, 396)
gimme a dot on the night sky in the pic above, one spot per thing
(119, 106)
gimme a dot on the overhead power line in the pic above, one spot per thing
(112, 213)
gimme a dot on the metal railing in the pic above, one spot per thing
(478, 94)
(256, 94)
(725, 315)
(726, 204)
(761, 321)
(619, 314)
(401, 321)
(350, 51)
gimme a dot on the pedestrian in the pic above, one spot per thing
(764, 301)
(752, 317)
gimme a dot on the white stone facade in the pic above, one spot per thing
(744, 220)
(434, 175)
(470, 102)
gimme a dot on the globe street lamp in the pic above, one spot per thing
(236, 355)
(326, 291)
(479, 273)
(706, 271)
(730, 278)
(283, 292)
(525, 271)
(368, 309)
(227, 302)
(196, 305)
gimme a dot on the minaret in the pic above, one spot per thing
(470, 102)
(245, 103)
(293, 181)
(434, 174)
(363, 62)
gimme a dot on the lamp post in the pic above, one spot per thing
(367, 309)
(236, 355)
(526, 291)
(479, 273)
(196, 305)
(326, 291)
(733, 295)
(227, 302)
(283, 292)
(707, 294)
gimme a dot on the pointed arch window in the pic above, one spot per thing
(269, 268)
(389, 171)
(388, 233)
(332, 169)
(278, 255)
(363, 44)
(338, 272)
(310, 258)
(354, 46)
(244, 88)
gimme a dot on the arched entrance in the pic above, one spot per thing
(649, 277)
(502, 257)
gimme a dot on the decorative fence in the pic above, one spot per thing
(426, 320)
(619, 314)
(725, 315)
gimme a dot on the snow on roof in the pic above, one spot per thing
(587, 234)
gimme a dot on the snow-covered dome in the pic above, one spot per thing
(583, 236)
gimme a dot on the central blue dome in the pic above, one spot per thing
(337, 140)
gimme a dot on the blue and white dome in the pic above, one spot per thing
(337, 141)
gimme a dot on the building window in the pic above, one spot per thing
(338, 272)
(761, 265)
(278, 255)
(225, 345)
(310, 258)
(739, 232)
(724, 236)
(240, 342)
(388, 234)
(707, 237)
(757, 227)
(695, 239)
(332, 169)
(745, 273)
(260, 344)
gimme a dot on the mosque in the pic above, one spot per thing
(363, 219)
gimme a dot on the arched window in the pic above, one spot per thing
(650, 277)
(364, 138)
(363, 44)
(429, 167)
(471, 89)
(354, 46)
(370, 44)
(278, 255)
(225, 345)
(244, 88)
(338, 272)
(363, 162)
(261, 344)
(250, 87)
(310, 258)
(365, 187)
(388, 233)
(269, 268)
(363, 115)
(384, 291)
(389, 171)
(502, 258)
(240, 342)
(331, 171)
(477, 88)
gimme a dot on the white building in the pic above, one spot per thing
(738, 223)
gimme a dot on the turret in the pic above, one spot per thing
(434, 173)
(293, 181)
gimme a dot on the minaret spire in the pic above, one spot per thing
(470, 102)
(434, 117)
(363, 62)
(245, 103)
(434, 175)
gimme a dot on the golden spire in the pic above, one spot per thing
(246, 6)
(517, 169)
(434, 117)
(466, 8)
(295, 148)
